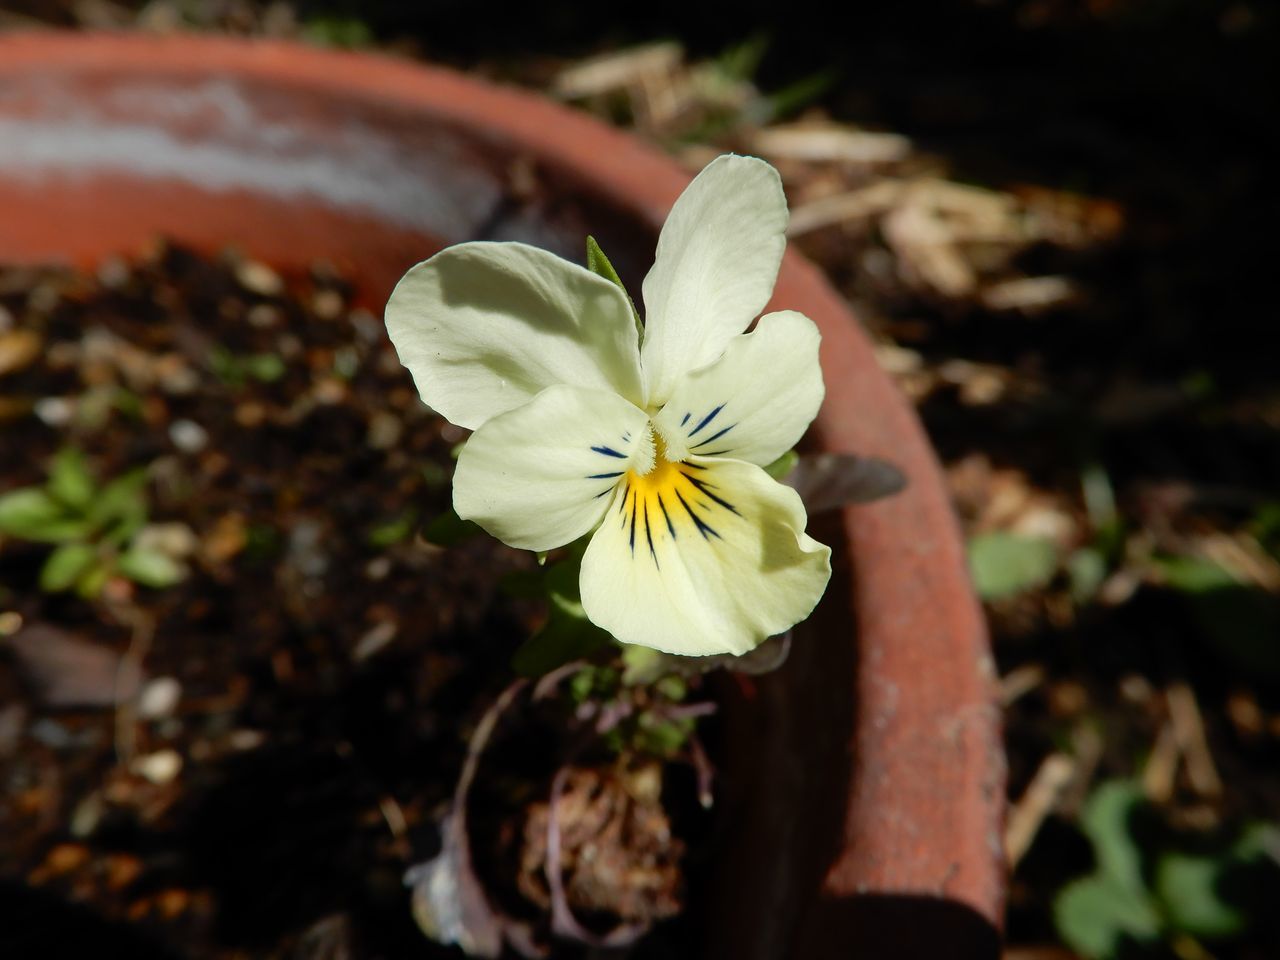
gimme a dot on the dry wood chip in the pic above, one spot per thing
(831, 143)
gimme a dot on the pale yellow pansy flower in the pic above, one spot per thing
(656, 442)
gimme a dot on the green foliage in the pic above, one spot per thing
(567, 635)
(94, 528)
(1188, 886)
(65, 567)
(1240, 621)
(236, 371)
(662, 736)
(449, 529)
(1265, 528)
(1152, 885)
(69, 480)
(150, 568)
(1006, 564)
(1087, 569)
(345, 33)
(398, 529)
(33, 513)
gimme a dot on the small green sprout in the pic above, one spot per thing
(96, 529)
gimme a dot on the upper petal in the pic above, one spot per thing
(703, 557)
(539, 476)
(753, 403)
(716, 264)
(483, 327)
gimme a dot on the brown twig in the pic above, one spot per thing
(1040, 799)
(142, 631)
(1162, 766)
(1188, 728)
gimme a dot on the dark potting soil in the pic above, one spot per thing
(245, 763)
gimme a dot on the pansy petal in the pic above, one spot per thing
(716, 264)
(541, 475)
(700, 558)
(484, 327)
(753, 403)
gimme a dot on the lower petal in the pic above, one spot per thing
(702, 557)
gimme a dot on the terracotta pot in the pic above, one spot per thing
(864, 781)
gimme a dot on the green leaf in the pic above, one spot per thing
(562, 640)
(1188, 887)
(1005, 564)
(663, 736)
(740, 61)
(1096, 915)
(643, 665)
(783, 465)
(798, 95)
(264, 367)
(449, 529)
(1107, 820)
(1087, 569)
(70, 482)
(93, 580)
(568, 634)
(32, 514)
(599, 264)
(347, 33)
(395, 530)
(1240, 620)
(150, 568)
(121, 510)
(66, 565)
(124, 498)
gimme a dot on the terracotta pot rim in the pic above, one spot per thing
(922, 818)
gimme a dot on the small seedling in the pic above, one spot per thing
(93, 526)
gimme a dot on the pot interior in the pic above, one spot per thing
(99, 156)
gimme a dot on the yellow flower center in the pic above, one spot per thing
(662, 496)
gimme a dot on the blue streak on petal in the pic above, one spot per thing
(685, 419)
(703, 528)
(609, 452)
(704, 488)
(633, 529)
(605, 476)
(715, 436)
(705, 420)
(649, 535)
(716, 453)
(670, 527)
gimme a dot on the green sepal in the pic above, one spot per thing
(599, 264)
(783, 465)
